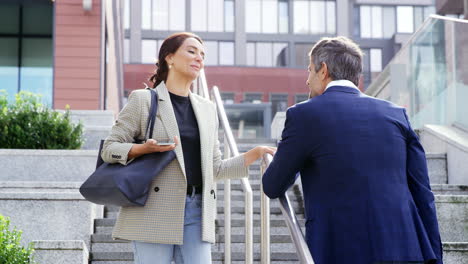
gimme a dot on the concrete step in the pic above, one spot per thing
(239, 256)
(454, 253)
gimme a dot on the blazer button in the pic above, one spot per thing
(156, 189)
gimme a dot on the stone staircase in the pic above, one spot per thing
(104, 250)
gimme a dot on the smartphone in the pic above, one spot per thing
(165, 142)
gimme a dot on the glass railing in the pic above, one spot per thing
(429, 75)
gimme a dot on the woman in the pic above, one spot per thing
(178, 220)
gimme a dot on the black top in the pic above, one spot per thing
(189, 137)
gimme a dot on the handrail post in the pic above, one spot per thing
(295, 230)
(227, 210)
(265, 220)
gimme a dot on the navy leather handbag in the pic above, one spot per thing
(127, 185)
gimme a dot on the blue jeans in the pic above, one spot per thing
(192, 251)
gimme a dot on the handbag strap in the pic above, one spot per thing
(152, 114)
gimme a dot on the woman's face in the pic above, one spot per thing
(188, 59)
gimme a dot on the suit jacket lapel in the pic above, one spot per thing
(203, 115)
(169, 121)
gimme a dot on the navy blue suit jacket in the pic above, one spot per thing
(366, 188)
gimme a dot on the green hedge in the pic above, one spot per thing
(11, 250)
(27, 124)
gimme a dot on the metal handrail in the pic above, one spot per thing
(291, 221)
(202, 89)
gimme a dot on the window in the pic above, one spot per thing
(267, 54)
(126, 14)
(227, 97)
(266, 16)
(376, 60)
(384, 21)
(371, 22)
(219, 53)
(212, 15)
(126, 50)
(253, 98)
(302, 54)
(314, 17)
(279, 103)
(163, 15)
(405, 19)
(372, 65)
(300, 98)
(150, 50)
(26, 53)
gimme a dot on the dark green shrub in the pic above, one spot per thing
(27, 124)
(11, 250)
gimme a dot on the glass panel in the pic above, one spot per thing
(280, 54)
(377, 22)
(405, 19)
(226, 53)
(199, 15)
(37, 19)
(211, 50)
(376, 60)
(331, 17)
(177, 15)
(160, 15)
(389, 22)
(317, 17)
(36, 67)
(365, 21)
(251, 54)
(301, 17)
(215, 16)
(302, 55)
(126, 46)
(148, 51)
(253, 16)
(146, 14)
(229, 15)
(9, 66)
(283, 16)
(264, 54)
(127, 14)
(9, 22)
(270, 17)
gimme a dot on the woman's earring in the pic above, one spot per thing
(170, 66)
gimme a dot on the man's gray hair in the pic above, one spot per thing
(342, 56)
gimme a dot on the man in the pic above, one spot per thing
(364, 175)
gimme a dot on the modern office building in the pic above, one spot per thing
(257, 49)
(71, 50)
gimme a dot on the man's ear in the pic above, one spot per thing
(324, 71)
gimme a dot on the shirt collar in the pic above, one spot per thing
(341, 83)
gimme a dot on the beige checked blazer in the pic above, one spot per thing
(161, 220)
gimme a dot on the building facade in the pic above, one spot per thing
(257, 49)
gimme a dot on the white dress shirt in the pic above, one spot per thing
(341, 83)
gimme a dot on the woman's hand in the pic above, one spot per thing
(150, 146)
(257, 153)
